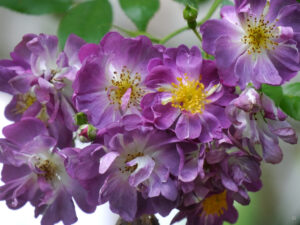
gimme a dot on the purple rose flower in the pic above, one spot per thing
(256, 121)
(240, 173)
(138, 162)
(134, 171)
(83, 165)
(256, 41)
(110, 83)
(214, 209)
(39, 78)
(186, 95)
(34, 171)
(221, 165)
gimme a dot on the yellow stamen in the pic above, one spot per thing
(24, 101)
(260, 35)
(121, 83)
(43, 114)
(48, 168)
(189, 95)
(215, 204)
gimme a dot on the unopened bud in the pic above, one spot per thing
(190, 14)
(87, 133)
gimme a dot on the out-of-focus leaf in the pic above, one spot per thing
(89, 20)
(286, 97)
(290, 103)
(226, 2)
(292, 89)
(140, 11)
(291, 106)
(274, 92)
(37, 6)
(191, 3)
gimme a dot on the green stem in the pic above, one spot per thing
(210, 12)
(173, 34)
(197, 35)
(137, 33)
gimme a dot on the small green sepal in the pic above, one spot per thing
(81, 119)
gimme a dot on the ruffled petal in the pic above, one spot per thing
(244, 69)
(189, 61)
(24, 131)
(106, 161)
(214, 29)
(61, 209)
(188, 127)
(145, 166)
(72, 46)
(265, 71)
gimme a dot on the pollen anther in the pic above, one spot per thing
(189, 95)
(215, 204)
(260, 35)
(120, 83)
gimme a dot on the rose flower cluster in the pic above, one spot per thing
(163, 128)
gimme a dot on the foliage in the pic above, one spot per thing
(37, 6)
(286, 97)
(89, 20)
(140, 11)
(191, 3)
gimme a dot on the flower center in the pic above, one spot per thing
(128, 158)
(24, 101)
(121, 84)
(48, 169)
(215, 204)
(260, 35)
(189, 95)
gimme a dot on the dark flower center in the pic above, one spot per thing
(48, 169)
(128, 158)
(215, 204)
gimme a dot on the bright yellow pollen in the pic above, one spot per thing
(215, 204)
(121, 83)
(189, 95)
(24, 101)
(260, 35)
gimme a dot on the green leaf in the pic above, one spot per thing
(37, 6)
(192, 3)
(290, 103)
(226, 2)
(89, 20)
(140, 11)
(292, 89)
(274, 92)
(291, 106)
(286, 97)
